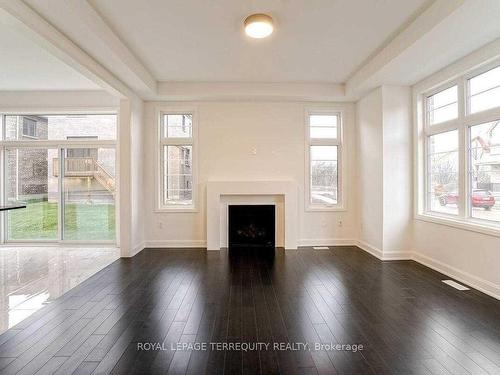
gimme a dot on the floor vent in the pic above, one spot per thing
(321, 248)
(455, 285)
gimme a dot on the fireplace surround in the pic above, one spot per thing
(256, 193)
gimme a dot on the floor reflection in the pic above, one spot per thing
(399, 315)
(31, 278)
(257, 255)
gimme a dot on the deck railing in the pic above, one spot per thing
(85, 167)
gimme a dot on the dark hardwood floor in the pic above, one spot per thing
(407, 320)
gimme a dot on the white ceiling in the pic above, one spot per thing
(440, 42)
(201, 40)
(196, 49)
(26, 66)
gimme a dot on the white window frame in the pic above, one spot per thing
(59, 145)
(459, 76)
(178, 141)
(341, 157)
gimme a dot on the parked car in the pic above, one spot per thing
(480, 198)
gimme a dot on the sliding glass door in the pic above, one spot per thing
(29, 178)
(89, 194)
(63, 168)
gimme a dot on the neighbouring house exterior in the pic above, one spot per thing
(178, 159)
(180, 174)
(27, 168)
(89, 172)
(485, 156)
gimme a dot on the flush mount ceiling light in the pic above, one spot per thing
(259, 26)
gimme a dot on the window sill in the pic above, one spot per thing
(325, 209)
(164, 210)
(474, 226)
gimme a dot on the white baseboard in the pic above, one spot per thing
(326, 242)
(485, 286)
(399, 255)
(370, 249)
(176, 243)
(137, 249)
(475, 282)
(203, 244)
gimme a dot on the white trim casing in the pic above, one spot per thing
(162, 141)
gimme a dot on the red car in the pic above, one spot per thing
(480, 198)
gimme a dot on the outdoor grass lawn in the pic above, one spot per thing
(38, 221)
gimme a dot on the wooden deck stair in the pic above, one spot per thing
(86, 167)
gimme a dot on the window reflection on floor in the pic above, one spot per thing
(31, 278)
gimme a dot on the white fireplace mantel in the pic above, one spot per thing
(217, 189)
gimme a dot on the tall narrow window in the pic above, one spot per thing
(324, 160)
(176, 154)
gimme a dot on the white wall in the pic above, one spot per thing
(397, 170)
(468, 256)
(136, 176)
(369, 135)
(228, 131)
(384, 171)
(131, 164)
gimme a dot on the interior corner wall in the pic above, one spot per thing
(228, 132)
(369, 119)
(384, 171)
(131, 164)
(137, 177)
(397, 171)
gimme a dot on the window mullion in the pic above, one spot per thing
(442, 128)
(462, 148)
(3, 218)
(60, 188)
(324, 142)
(176, 142)
(462, 173)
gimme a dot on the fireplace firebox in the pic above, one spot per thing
(251, 226)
